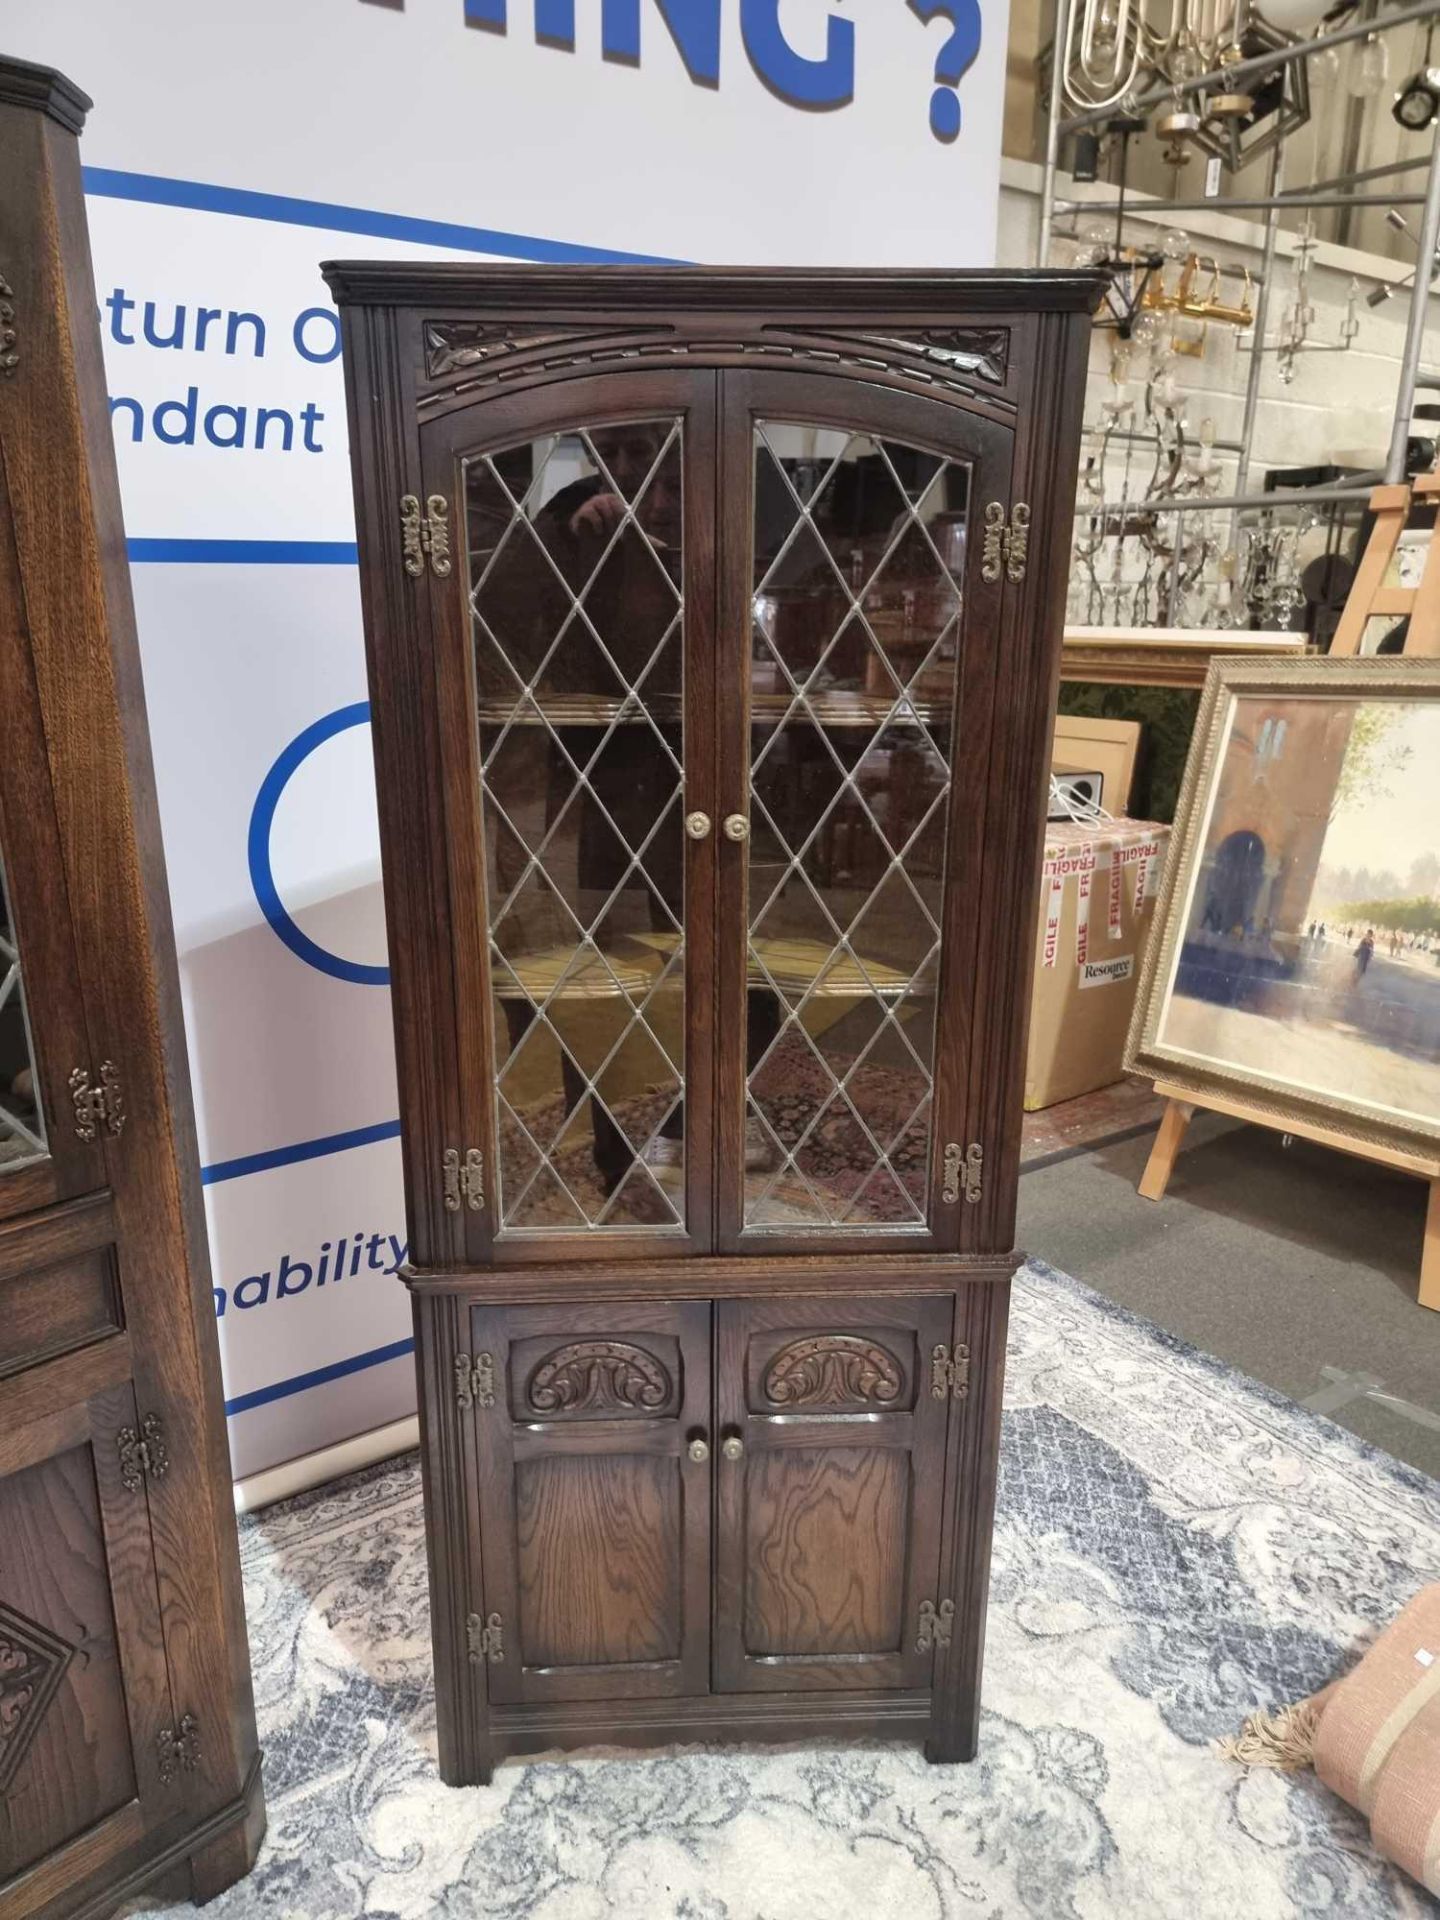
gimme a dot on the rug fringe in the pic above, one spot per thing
(1283, 1740)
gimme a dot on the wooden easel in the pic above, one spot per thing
(1369, 596)
(1180, 1106)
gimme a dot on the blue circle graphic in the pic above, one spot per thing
(262, 822)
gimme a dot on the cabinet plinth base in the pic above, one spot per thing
(724, 1719)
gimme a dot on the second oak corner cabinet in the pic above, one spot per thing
(713, 622)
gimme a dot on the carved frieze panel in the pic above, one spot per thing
(983, 352)
(958, 360)
(453, 346)
(599, 1377)
(959, 356)
(32, 1664)
(834, 1370)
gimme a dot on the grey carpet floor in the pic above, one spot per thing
(1281, 1261)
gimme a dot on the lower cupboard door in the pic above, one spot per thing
(594, 1516)
(829, 1485)
(86, 1732)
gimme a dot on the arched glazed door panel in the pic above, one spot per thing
(576, 661)
(859, 606)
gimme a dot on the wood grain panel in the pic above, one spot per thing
(75, 1766)
(599, 1560)
(828, 1516)
(593, 1533)
(825, 1539)
(50, 1310)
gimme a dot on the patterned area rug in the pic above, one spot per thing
(1176, 1546)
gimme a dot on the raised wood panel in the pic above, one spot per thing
(829, 1496)
(59, 1284)
(592, 1531)
(65, 1758)
(49, 1310)
(825, 1540)
(599, 1544)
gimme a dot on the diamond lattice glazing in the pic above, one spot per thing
(577, 623)
(22, 1126)
(857, 602)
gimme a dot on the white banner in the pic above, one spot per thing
(231, 149)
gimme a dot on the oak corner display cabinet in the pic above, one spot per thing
(128, 1755)
(713, 622)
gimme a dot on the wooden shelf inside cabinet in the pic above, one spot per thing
(799, 968)
(830, 708)
(768, 572)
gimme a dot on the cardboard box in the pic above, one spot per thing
(1097, 902)
(1112, 746)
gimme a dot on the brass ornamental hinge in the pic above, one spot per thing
(954, 1154)
(177, 1749)
(142, 1453)
(96, 1107)
(961, 1168)
(935, 1624)
(1006, 546)
(974, 1154)
(425, 535)
(486, 1639)
(463, 1179)
(949, 1373)
(474, 1381)
(9, 351)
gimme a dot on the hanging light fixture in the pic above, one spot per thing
(1418, 101)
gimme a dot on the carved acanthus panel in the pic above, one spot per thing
(834, 1369)
(959, 356)
(958, 360)
(32, 1664)
(600, 1377)
(452, 346)
(983, 352)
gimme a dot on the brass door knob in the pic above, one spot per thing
(697, 825)
(737, 827)
(733, 1447)
(698, 1450)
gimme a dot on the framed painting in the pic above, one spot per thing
(1296, 955)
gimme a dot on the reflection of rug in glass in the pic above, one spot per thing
(637, 1116)
(836, 1158)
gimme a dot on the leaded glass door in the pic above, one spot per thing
(43, 1041)
(854, 731)
(577, 693)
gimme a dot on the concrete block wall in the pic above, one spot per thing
(1338, 407)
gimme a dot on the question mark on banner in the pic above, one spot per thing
(953, 61)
